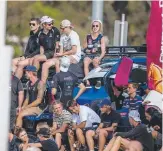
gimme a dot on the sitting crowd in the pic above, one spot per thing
(75, 126)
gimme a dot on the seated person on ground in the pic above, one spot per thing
(109, 122)
(134, 101)
(155, 124)
(69, 46)
(46, 143)
(87, 118)
(23, 137)
(92, 44)
(137, 139)
(33, 104)
(61, 121)
(48, 39)
(67, 82)
(32, 49)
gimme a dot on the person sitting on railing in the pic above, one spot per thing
(32, 49)
(69, 46)
(33, 104)
(49, 38)
(109, 122)
(94, 46)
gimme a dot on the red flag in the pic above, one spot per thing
(154, 35)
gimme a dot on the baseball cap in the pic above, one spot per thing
(47, 20)
(105, 101)
(44, 132)
(144, 86)
(135, 115)
(66, 23)
(64, 63)
(30, 68)
(43, 18)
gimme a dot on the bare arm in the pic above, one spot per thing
(72, 51)
(20, 98)
(82, 89)
(54, 91)
(103, 47)
(81, 125)
(61, 129)
(112, 127)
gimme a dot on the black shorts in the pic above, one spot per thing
(49, 54)
(12, 118)
(64, 136)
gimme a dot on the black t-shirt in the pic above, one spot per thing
(109, 119)
(141, 134)
(49, 40)
(49, 145)
(66, 82)
(156, 121)
(33, 47)
(119, 101)
(16, 87)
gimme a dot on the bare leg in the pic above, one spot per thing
(110, 145)
(45, 68)
(15, 63)
(38, 59)
(71, 139)
(87, 62)
(117, 144)
(58, 138)
(135, 146)
(21, 65)
(102, 139)
(80, 136)
(89, 137)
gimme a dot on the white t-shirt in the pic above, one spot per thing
(88, 115)
(68, 41)
(75, 119)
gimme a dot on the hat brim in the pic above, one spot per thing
(63, 69)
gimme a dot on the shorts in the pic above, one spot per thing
(49, 54)
(64, 136)
(91, 56)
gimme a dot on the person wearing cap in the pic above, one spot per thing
(67, 82)
(69, 46)
(137, 139)
(32, 49)
(109, 122)
(46, 143)
(33, 104)
(133, 101)
(87, 118)
(145, 89)
(94, 46)
(49, 38)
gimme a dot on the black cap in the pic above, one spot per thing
(44, 132)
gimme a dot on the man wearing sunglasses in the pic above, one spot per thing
(49, 38)
(32, 49)
(69, 46)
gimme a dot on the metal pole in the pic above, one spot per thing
(97, 10)
(5, 68)
(122, 29)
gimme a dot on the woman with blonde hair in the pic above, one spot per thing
(94, 46)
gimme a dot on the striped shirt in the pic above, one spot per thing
(132, 103)
(64, 118)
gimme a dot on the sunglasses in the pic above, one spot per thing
(32, 24)
(95, 26)
(51, 24)
(63, 28)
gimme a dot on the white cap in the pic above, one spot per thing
(64, 63)
(135, 115)
(97, 21)
(43, 18)
(47, 20)
(66, 23)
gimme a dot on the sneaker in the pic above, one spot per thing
(83, 148)
(88, 86)
(98, 85)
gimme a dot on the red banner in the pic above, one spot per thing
(154, 34)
